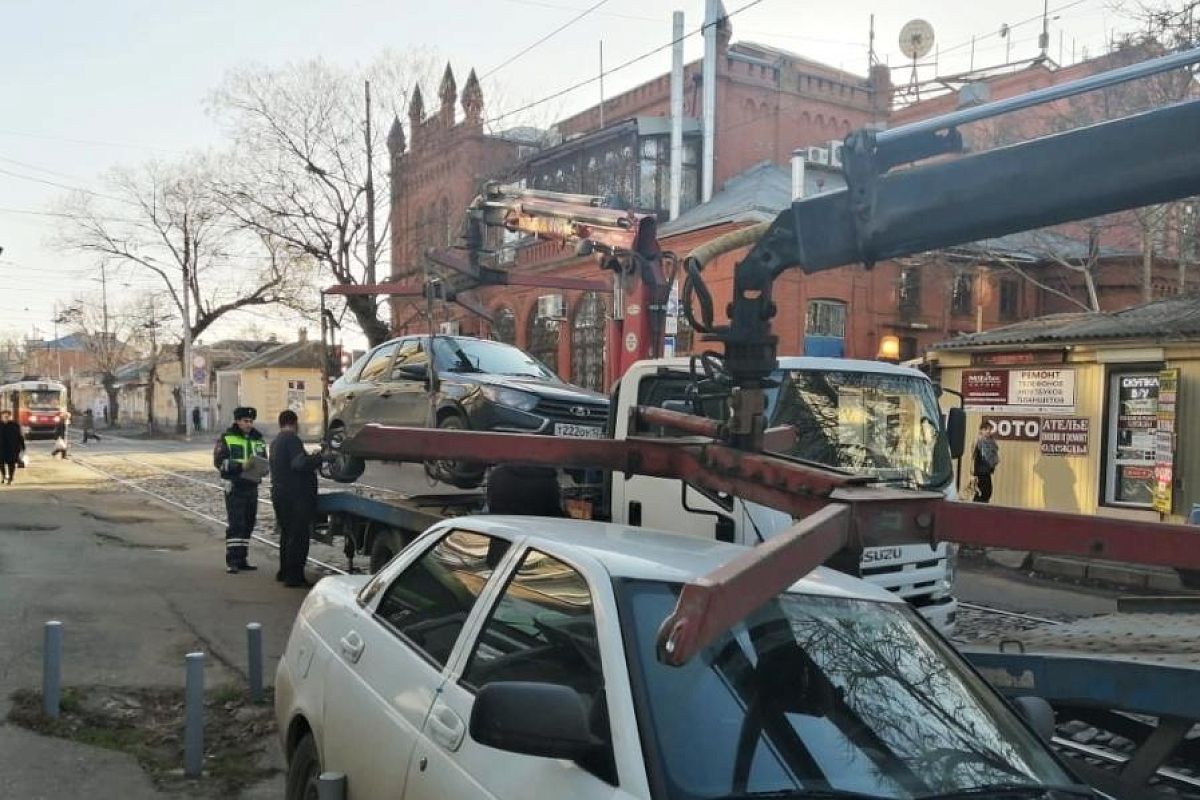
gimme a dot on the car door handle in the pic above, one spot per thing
(352, 647)
(445, 727)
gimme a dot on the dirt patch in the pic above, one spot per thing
(148, 724)
(123, 542)
(27, 526)
(116, 519)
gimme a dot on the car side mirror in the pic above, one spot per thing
(1038, 713)
(412, 372)
(535, 719)
(956, 431)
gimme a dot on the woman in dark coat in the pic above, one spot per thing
(12, 444)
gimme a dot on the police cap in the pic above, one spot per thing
(244, 412)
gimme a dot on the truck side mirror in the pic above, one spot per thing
(956, 431)
(1038, 713)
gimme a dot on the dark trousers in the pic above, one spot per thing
(92, 434)
(7, 470)
(241, 509)
(295, 527)
(983, 492)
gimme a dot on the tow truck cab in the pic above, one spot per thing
(866, 417)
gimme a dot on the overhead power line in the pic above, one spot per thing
(543, 39)
(617, 68)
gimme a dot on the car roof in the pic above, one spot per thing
(819, 363)
(646, 553)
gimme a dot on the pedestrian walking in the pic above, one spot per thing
(984, 460)
(294, 498)
(237, 455)
(61, 436)
(89, 426)
(196, 419)
(12, 445)
(106, 419)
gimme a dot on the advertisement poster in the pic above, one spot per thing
(1065, 436)
(1021, 391)
(1164, 440)
(1136, 438)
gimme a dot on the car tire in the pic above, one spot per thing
(459, 474)
(1190, 578)
(304, 771)
(343, 468)
(384, 549)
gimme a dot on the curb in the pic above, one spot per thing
(1109, 574)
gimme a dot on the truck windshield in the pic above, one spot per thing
(869, 423)
(820, 694)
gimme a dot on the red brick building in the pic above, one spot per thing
(769, 103)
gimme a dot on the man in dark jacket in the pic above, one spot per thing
(984, 460)
(234, 455)
(12, 444)
(294, 498)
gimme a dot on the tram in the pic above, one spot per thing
(37, 405)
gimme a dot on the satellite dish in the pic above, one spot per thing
(916, 39)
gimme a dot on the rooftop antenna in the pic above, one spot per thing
(1044, 36)
(871, 59)
(1004, 31)
(916, 40)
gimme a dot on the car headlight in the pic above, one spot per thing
(522, 401)
(946, 585)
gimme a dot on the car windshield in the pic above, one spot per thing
(823, 694)
(494, 358)
(869, 423)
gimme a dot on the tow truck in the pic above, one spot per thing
(904, 196)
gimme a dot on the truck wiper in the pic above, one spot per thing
(1015, 790)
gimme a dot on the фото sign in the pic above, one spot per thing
(1015, 429)
(1029, 391)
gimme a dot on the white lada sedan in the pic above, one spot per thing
(515, 657)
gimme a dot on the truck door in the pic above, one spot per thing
(665, 503)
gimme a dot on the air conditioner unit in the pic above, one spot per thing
(835, 153)
(817, 155)
(551, 306)
(450, 328)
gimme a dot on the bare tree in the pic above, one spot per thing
(307, 166)
(167, 221)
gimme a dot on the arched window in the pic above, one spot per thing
(820, 120)
(504, 326)
(587, 342)
(543, 340)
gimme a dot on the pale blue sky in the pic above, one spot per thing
(89, 85)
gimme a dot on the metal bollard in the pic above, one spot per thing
(254, 661)
(52, 668)
(193, 725)
(331, 786)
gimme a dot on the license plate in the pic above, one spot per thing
(577, 431)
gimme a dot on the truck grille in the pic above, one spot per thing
(564, 411)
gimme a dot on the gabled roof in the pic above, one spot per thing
(756, 195)
(295, 355)
(1172, 319)
(1037, 246)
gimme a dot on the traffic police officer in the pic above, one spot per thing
(233, 454)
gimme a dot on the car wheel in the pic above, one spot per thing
(385, 547)
(1189, 578)
(343, 468)
(459, 474)
(304, 771)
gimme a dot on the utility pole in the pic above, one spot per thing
(370, 191)
(185, 393)
(152, 326)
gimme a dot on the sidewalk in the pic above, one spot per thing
(1112, 574)
(136, 588)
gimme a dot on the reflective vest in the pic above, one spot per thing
(243, 448)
